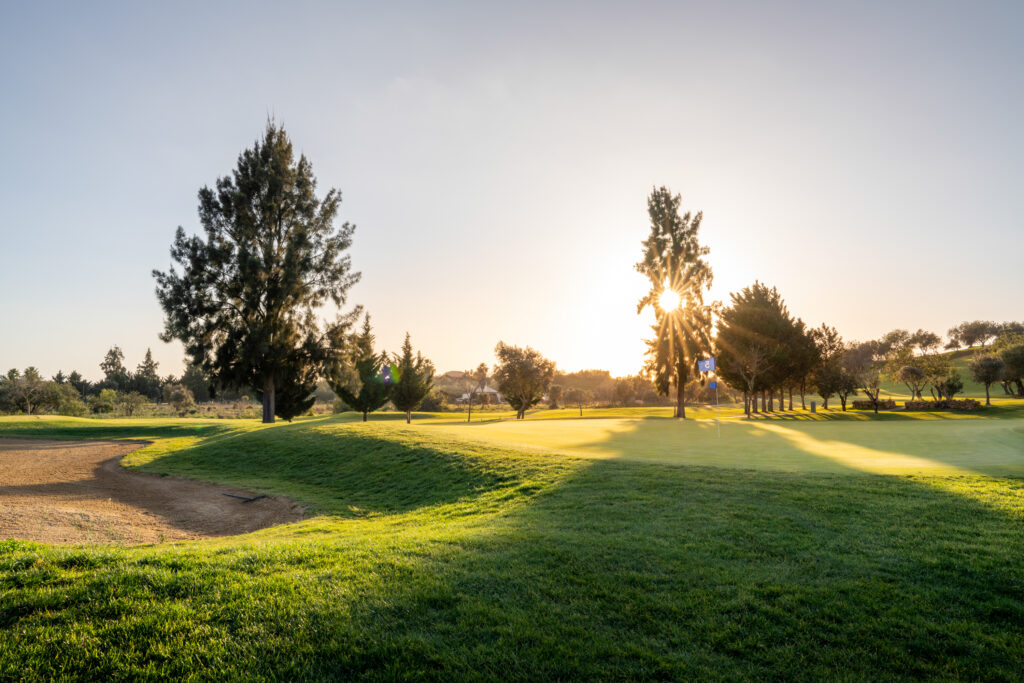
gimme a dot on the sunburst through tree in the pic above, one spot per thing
(673, 262)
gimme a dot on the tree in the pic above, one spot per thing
(951, 385)
(1013, 359)
(244, 302)
(828, 376)
(578, 397)
(180, 397)
(673, 262)
(846, 385)
(146, 380)
(69, 401)
(365, 383)
(523, 376)
(625, 391)
(198, 383)
(804, 358)
(28, 391)
(870, 380)
(987, 370)
(131, 402)
(103, 402)
(83, 385)
(115, 374)
(892, 342)
(415, 377)
(913, 377)
(473, 381)
(936, 369)
(554, 395)
(298, 394)
(974, 332)
(760, 346)
(924, 341)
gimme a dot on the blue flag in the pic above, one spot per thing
(706, 365)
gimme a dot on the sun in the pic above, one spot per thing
(669, 300)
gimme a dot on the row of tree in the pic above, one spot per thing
(30, 393)
(765, 353)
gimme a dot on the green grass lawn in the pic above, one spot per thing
(620, 546)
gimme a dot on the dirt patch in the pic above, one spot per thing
(77, 492)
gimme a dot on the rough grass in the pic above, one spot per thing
(443, 552)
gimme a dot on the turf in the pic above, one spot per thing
(547, 549)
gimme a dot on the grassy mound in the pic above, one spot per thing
(444, 553)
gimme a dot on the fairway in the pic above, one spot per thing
(892, 446)
(614, 547)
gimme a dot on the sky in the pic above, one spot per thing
(865, 158)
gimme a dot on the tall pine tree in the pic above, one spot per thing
(673, 261)
(370, 387)
(415, 377)
(244, 302)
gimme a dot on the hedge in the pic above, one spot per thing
(956, 404)
(883, 404)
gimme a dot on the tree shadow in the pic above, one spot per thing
(643, 571)
(618, 570)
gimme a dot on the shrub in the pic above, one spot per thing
(883, 404)
(432, 402)
(104, 403)
(946, 404)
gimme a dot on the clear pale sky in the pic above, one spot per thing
(866, 158)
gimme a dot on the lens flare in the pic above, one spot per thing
(669, 300)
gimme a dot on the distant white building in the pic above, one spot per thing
(486, 395)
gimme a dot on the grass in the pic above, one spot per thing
(618, 547)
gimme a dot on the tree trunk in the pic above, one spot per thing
(681, 377)
(803, 404)
(771, 401)
(988, 401)
(469, 415)
(408, 416)
(365, 413)
(268, 402)
(581, 409)
(791, 398)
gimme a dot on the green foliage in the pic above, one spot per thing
(987, 370)
(971, 333)
(1013, 360)
(146, 380)
(578, 397)
(244, 302)
(415, 378)
(180, 397)
(673, 261)
(115, 374)
(131, 402)
(952, 385)
(365, 383)
(102, 403)
(759, 344)
(523, 376)
(554, 395)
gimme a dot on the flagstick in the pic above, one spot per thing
(717, 423)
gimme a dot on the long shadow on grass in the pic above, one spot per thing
(639, 571)
(616, 570)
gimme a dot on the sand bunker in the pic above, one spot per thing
(77, 492)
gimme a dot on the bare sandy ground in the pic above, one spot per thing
(77, 492)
